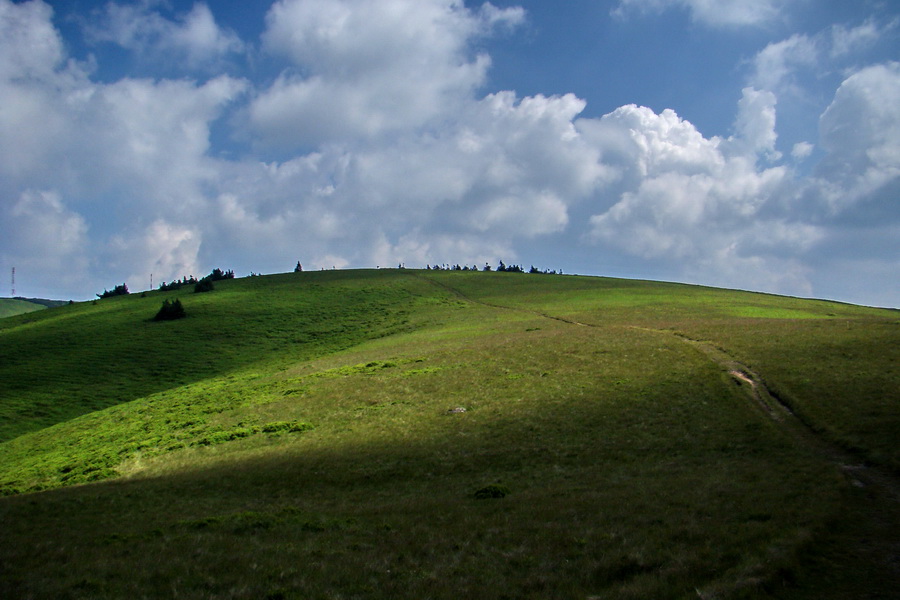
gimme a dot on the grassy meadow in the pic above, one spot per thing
(16, 306)
(438, 434)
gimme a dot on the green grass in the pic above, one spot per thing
(13, 306)
(80, 349)
(296, 440)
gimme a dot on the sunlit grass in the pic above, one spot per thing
(635, 467)
(12, 306)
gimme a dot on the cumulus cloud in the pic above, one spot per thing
(502, 168)
(714, 13)
(45, 240)
(162, 250)
(32, 48)
(802, 150)
(709, 205)
(127, 152)
(775, 64)
(33, 71)
(860, 131)
(362, 68)
(194, 38)
(846, 40)
(780, 65)
(755, 124)
(693, 200)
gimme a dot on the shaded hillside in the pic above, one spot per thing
(409, 434)
(16, 306)
(75, 359)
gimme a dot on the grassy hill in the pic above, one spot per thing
(17, 306)
(384, 434)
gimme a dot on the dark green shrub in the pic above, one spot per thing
(204, 285)
(170, 311)
(289, 426)
(218, 275)
(492, 491)
(119, 290)
(276, 426)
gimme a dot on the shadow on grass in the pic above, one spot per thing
(65, 362)
(587, 512)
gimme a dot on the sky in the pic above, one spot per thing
(749, 144)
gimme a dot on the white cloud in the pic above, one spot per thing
(526, 215)
(34, 81)
(41, 225)
(643, 144)
(45, 240)
(364, 68)
(194, 38)
(775, 64)
(780, 65)
(714, 13)
(755, 124)
(32, 48)
(164, 250)
(849, 40)
(694, 201)
(802, 150)
(498, 169)
(357, 37)
(126, 152)
(152, 137)
(860, 132)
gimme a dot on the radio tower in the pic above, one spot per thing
(14, 283)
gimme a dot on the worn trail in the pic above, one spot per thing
(859, 556)
(780, 410)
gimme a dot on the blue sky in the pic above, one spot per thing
(751, 144)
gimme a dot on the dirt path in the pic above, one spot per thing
(860, 473)
(530, 311)
(858, 557)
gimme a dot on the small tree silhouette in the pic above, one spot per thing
(170, 311)
(119, 290)
(204, 285)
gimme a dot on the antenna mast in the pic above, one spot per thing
(14, 282)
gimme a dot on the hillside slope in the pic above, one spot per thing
(16, 306)
(383, 434)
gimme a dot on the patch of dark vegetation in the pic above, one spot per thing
(626, 567)
(220, 275)
(216, 275)
(169, 311)
(240, 431)
(204, 285)
(492, 491)
(501, 268)
(45, 302)
(252, 521)
(220, 437)
(119, 290)
(177, 284)
(286, 427)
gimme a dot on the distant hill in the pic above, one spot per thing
(43, 301)
(409, 434)
(18, 306)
